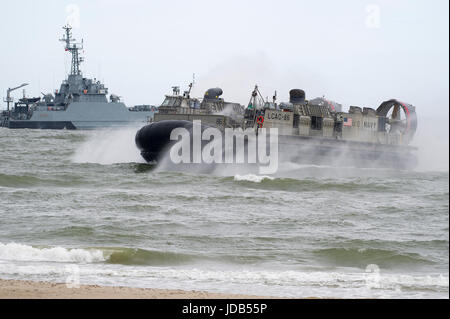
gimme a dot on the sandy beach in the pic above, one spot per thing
(18, 289)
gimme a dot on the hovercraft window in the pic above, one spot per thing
(316, 122)
(170, 101)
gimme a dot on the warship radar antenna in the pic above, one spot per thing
(73, 48)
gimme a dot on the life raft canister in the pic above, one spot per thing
(260, 121)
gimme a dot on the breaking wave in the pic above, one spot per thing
(20, 252)
(110, 255)
(252, 178)
(100, 262)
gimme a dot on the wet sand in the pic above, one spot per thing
(18, 289)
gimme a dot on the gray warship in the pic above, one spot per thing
(80, 103)
(313, 131)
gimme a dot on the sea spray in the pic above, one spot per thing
(109, 147)
(432, 144)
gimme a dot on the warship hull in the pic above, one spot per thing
(84, 116)
(55, 125)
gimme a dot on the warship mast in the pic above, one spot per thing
(73, 48)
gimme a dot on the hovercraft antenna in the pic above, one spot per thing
(187, 93)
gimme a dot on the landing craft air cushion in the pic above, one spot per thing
(310, 132)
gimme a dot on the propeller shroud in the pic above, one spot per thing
(407, 127)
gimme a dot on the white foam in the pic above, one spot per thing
(19, 252)
(256, 282)
(252, 178)
(300, 278)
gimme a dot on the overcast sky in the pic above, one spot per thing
(354, 52)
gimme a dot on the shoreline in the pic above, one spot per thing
(26, 289)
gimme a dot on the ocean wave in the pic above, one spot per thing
(20, 252)
(252, 178)
(136, 256)
(18, 180)
(109, 255)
